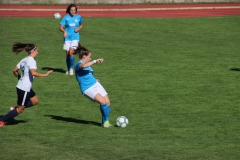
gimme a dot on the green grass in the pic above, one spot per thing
(176, 80)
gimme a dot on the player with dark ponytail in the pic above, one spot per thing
(89, 85)
(26, 96)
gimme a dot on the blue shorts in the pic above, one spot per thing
(24, 97)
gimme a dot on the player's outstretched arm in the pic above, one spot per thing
(88, 64)
(36, 74)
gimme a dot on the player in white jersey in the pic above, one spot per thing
(89, 85)
(28, 66)
(70, 25)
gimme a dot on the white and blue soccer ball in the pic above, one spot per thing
(122, 121)
(57, 16)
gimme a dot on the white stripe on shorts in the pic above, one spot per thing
(24, 98)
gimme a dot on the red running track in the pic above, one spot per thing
(144, 11)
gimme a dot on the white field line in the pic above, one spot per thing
(122, 9)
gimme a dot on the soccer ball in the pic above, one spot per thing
(122, 121)
(57, 15)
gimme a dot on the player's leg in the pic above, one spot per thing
(33, 99)
(73, 46)
(104, 108)
(104, 104)
(94, 94)
(32, 102)
(23, 98)
(66, 47)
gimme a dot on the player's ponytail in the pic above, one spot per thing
(19, 47)
(81, 51)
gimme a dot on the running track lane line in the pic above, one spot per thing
(121, 9)
(133, 11)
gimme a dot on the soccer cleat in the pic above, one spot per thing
(2, 124)
(12, 108)
(106, 124)
(71, 72)
(67, 73)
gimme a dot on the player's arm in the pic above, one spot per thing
(85, 65)
(79, 28)
(62, 29)
(15, 72)
(36, 74)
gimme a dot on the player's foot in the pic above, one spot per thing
(12, 108)
(67, 73)
(106, 124)
(2, 124)
(71, 72)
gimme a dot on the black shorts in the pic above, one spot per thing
(24, 97)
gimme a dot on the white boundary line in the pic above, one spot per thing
(123, 9)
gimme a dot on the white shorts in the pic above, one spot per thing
(95, 89)
(70, 44)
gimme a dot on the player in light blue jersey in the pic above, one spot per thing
(26, 96)
(70, 25)
(89, 85)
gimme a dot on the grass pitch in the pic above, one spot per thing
(176, 80)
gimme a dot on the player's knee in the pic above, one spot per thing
(35, 102)
(20, 109)
(102, 102)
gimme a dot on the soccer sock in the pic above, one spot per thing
(105, 112)
(108, 111)
(10, 115)
(71, 62)
(30, 104)
(68, 62)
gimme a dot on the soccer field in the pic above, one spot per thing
(176, 80)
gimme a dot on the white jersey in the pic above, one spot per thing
(26, 80)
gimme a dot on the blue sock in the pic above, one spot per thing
(29, 104)
(71, 62)
(105, 110)
(108, 111)
(68, 62)
(10, 115)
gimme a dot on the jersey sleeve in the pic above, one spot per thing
(63, 21)
(19, 64)
(32, 64)
(77, 66)
(80, 20)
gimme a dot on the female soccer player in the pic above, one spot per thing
(28, 66)
(70, 25)
(89, 85)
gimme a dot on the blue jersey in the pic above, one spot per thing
(84, 77)
(70, 23)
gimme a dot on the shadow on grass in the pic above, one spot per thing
(14, 122)
(66, 119)
(234, 69)
(54, 69)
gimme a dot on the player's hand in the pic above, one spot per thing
(100, 60)
(48, 72)
(65, 34)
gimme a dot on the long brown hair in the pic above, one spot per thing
(19, 47)
(69, 8)
(81, 51)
